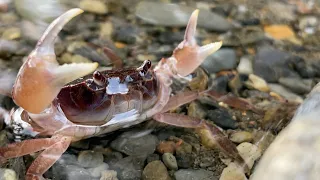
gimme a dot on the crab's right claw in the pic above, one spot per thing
(188, 54)
(41, 77)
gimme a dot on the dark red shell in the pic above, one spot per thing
(85, 102)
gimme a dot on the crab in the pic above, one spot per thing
(72, 102)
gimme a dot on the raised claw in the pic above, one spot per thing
(188, 54)
(41, 77)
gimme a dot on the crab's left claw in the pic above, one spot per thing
(188, 54)
(41, 77)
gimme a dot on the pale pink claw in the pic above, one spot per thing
(188, 54)
(41, 77)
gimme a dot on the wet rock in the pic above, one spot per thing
(192, 174)
(166, 147)
(70, 172)
(170, 161)
(222, 118)
(127, 34)
(223, 59)
(109, 175)
(7, 174)
(129, 168)
(287, 11)
(11, 33)
(245, 65)
(297, 85)
(169, 37)
(255, 82)
(271, 64)
(241, 136)
(97, 171)
(143, 145)
(153, 157)
(184, 155)
(94, 6)
(178, 15)
(155, 170)
(8, 47)
(286, 93)
(233, 172)
(90, 158)
(249, 152)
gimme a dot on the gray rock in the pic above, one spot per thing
(271, 64)
(287, 11)
(192, 174)
(170, 161)
(297, 85)
(222, 118)
(126, 33)
(223, 59)
(286, 93)
(97, 171)
(135, 146)
(109, 175)
(153, 157)
(7, 174)
(70, 172)
(178, 15)
(90, 158)
(129, 168)
(155, 170)
(8, 48)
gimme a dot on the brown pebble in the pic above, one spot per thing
(166, 147)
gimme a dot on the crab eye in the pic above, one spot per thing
(144, 68)
(99, 79)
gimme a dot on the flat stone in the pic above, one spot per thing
(286, 93)
(297, 85)
(223, 59)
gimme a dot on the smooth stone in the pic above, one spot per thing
(94, 6)
(143, 145)
(241, 136)
(223, 59)
(126, 34)
(192, 174)
(90, 158)
(233, 172)
(222, 118)
(129, 168)
(287, 11)
(297, 85)
(256, 82)
(263, 139)
(196, 110)
(286, 93)
(153, 157)
(8, 48)
(97, 171)
(12, 33)
(70, 172)
(164, 14)
(245, 65)
(271, 64)
(155, 170)
(249, 152)
(170, 161)
(109, 175)
(8, 174)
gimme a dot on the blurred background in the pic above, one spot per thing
(270, 57)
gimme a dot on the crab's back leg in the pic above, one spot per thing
(41, 77)
(47, 158)
(207, 131)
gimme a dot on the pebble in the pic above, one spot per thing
(286, 93)
(263, 139)
(94, 6)
(128, 168)
(287, 11)
(155, 170)
(233, 172)
(109, 175)
(90, 158)
(7, 174)
(256, 82)
(178, 15)
(241, 136)
(97, 171)
(271, 64)
(143, 145)
(193, 174)
(196, 110)
(70, 172)
(8, 18)
(222, 118)
(223, 59)
(8, 47)
(184, 155)
(11, 33)
(170, 161)
(249, 152)
(245, 65)
(106, 30)
(126, 34)
(297, 85)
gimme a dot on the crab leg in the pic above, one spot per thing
(208, 132)
(47, 158)
(41, 77)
